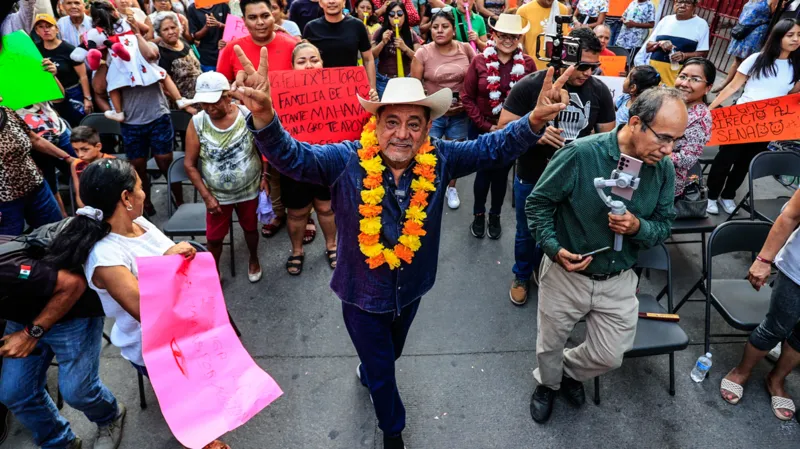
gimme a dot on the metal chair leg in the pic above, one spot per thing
(672, 374)
(59, 399)
(597, 390)
(233, 324)
(233, 262)
(106, 338)
(142, 400)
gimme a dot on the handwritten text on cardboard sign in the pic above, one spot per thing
(757, 121)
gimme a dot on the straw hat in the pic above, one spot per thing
(509, 24)
(409, 91)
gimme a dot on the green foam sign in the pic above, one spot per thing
(23, 80)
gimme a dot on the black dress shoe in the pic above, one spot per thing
(573, 391)
(542, 403)
(395, 442)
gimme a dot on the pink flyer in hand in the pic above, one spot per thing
(206, 382)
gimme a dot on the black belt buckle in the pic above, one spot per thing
(601, 277)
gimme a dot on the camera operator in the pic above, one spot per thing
(51, 313)
(591, 109)
(569, 219)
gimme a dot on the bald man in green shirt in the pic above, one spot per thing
(569, 218)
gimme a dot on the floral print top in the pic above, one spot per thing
(689, 148)
(639, 12)
(592, 8)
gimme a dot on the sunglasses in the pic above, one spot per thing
(445, 9)
(396, 14)
(584, 66)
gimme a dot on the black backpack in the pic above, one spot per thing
(34, 244)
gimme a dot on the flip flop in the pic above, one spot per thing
(311, 231)
(298, 266)
(731, 387)
(780, 403)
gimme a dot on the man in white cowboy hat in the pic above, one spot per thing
(387, 217)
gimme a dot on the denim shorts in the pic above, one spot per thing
(155, 138)
(453, 127)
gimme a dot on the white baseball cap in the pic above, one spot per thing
(209, 87)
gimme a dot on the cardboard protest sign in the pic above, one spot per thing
(206, 382)
(234, 28)
(614, 84)
(23, 80)
(757, 121)
(320, 106)
(617, 7)
(613, 65)
(206, 3)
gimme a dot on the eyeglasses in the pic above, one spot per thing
(693, 79)
(584, 66)
(396, 14)
(663, 139)
(506, 37)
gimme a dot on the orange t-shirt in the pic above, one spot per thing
(280, 54)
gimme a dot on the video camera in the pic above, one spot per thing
(560, 51)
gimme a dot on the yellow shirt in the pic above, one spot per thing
(537, 16)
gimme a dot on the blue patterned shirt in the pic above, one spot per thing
(337, 166)
(639, 12)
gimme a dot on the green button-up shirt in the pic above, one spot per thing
(565, 211)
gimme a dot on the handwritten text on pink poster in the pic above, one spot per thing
(234, 28)
(206, 382)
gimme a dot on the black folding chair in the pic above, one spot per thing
(768, 163)
(705, 161)
(189, 220)
(106, 127)
(655, 337)
(740, 305)
(139, 377)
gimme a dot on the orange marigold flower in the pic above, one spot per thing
(374, 180)
(426, 171)
(419, 198)
(426, 147)
(369, 210)
(413, 228)
(367, 239)
(403, 253)
(369, 152)
(375, 262)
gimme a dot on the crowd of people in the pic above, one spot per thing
(455, 88)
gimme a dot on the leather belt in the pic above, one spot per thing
(600, 277)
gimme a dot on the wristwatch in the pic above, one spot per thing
(34, 331)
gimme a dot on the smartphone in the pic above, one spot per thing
(631, 166)
(605, 248)
(456, 98)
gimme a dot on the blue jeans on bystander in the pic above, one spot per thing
(37, 208)
(76, 345)
(527, 253)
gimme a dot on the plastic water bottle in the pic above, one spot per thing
(674, 65)
(701, 368)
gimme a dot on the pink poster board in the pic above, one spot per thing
(206, 382)
(234, 28)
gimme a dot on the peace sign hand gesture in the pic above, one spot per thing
(252, 87)
(553, 99)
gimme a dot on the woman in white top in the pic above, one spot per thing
(774, 72)
(105, 237)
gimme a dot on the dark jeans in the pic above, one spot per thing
(76, 346)
(36, 208)
(730, 167)
(379, 339)
(527, 254)
(71, 108)
(783, 318)
(494, 179)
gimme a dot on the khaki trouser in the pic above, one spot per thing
(275, 192)
(611, 311)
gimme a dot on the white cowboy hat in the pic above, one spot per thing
(509, 24)
(410, 91)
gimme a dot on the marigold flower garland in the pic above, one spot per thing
(372, 196)
(493, 74)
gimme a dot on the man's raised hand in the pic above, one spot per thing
(552, 99)
(252, 87)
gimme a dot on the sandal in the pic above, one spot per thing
(780, 403)
(731, 387)
(272, 228)
(331, 253)
(290, 264)
(311, 231)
